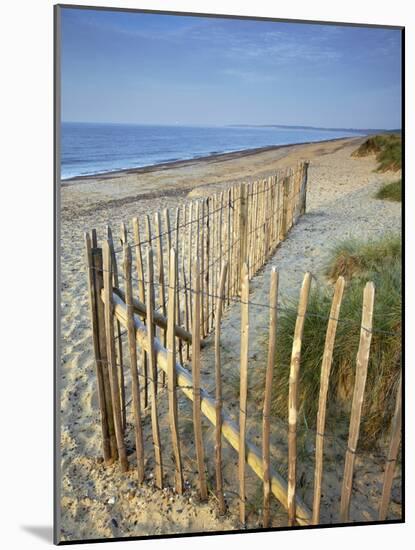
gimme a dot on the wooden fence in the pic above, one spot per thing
(223, 241)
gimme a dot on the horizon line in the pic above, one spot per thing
(251, 125)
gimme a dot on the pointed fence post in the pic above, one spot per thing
(324, 386)
(160, 269)
(93, 297)
(109, 328)
(132, 345)
(293, 398)
(171, 371)
(243, 226)
(142, 298)
(152, 364)
(362, 361)
(99, 285)
(395, 439)
(303, 201)
(273, 301)
(285, 199)
(243, 394)
(218, 391)
(118, 346)
(178, 312)
(197, 421)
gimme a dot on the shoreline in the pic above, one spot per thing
(161, 183)
(183, 163)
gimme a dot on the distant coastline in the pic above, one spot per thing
(363, 131)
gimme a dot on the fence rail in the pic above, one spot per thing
(183, 278)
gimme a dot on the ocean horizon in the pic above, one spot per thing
(98, 148)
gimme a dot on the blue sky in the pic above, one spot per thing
(163, 69)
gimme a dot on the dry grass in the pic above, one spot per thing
(391, 192)
(379, 261)
(353, 258)
(387, 148)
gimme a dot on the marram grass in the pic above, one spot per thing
(378, 261)
(391, 192)
(388, 150)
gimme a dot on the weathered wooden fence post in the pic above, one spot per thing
(293, 398)
(303, 197)
(142, 298)
(324, 386)
(153, 369)
(118, 346)
(171, 371)
(178, 310)
(202, 268)
(214, 249)
(273, 300)
(230, 244)
(218, 391)
(132, 345)
(243, 393)
(185, 280)
(189, 260)
(362, 361)
(99, 285)
(206, 279)
(395, 439)
(93, 298)
(197, 421)
(109, 330)
(161, 278)
(243, 228)
(285, 199)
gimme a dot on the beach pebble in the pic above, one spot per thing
(114, 522)
(111, 500)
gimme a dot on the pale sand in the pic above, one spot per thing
(340, 203)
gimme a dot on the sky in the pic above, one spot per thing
(126, 67)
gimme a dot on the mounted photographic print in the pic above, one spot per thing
(228, 274)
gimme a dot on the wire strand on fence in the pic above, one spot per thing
(334, 437)
(285, 309)
(236, 299)
(228, 204)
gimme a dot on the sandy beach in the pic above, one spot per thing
(99, 501)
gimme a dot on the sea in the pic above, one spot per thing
(96, 148)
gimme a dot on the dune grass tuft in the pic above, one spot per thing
(354, 258)
(391, 192)
(388, 150)
(359, 262)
